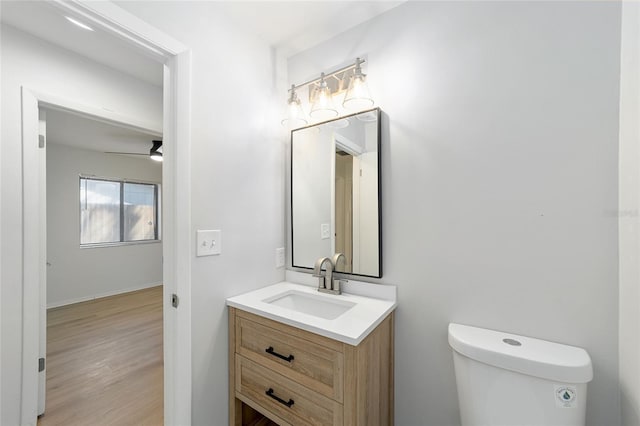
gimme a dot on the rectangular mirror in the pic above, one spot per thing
(335, 193)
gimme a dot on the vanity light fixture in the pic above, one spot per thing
(295, 117)
(78, 23)
(322, 107)
(358, 96)
(349, 79)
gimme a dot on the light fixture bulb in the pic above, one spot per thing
(357, 96)
(322, 107)
(156, 156)
(295, 115)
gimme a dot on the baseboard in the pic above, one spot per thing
(101, 295)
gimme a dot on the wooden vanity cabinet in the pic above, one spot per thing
(283, 375)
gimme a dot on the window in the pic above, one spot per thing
(114, 211)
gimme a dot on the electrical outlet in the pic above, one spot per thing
(280, 257)
(209, 243)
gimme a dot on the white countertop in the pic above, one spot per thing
(351, 327)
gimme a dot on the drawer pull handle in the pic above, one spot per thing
(270, 350)
(280, 400)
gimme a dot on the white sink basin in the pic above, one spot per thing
(310, 304)
(347, 318)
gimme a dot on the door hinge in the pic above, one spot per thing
(41, 141)
(41, 364)
(174, 300)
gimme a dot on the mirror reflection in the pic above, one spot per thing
(335, 193)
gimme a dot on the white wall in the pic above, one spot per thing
(237, 178)
(629, 215)
(499, 181)
(77, 274)
(43, 67)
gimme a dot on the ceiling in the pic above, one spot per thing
(65, 128)
(47, 22)
(294, 26)
(291, 26)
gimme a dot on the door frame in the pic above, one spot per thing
(176, 203)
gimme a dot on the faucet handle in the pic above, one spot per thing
(338, 284)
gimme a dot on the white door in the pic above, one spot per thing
(34, 259)
(42, 268)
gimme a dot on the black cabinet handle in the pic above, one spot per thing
(280, 400)
(270, 350)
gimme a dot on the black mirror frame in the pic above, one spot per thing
(379, 131)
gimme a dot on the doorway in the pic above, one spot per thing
(103, 318)
(177, 229)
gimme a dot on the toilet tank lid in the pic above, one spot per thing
(526, 355)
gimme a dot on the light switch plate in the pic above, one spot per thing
(208, 242)
(280, 257)
(325, 231)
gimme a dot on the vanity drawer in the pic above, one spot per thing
(285, 398)
(294, 353)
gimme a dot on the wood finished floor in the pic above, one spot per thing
(105, 362)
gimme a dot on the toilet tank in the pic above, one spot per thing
(507, 379)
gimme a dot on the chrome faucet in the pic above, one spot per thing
(326, 283)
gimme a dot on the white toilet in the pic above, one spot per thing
(510, 380)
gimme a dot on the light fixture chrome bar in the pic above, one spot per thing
(326, 75)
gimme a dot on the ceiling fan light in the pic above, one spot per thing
(155, 153)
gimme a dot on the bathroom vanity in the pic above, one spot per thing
(301, 357)
(289, 367)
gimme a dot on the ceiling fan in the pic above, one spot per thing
(155, 153)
